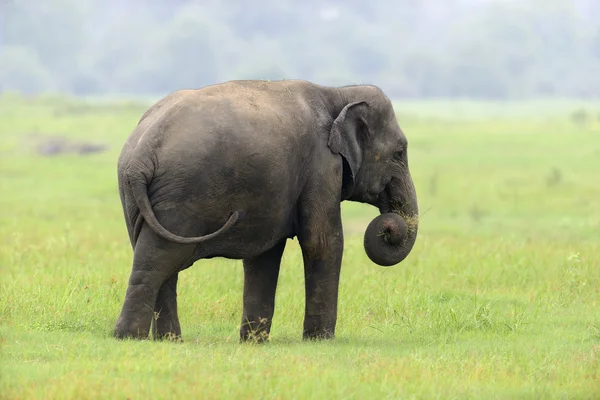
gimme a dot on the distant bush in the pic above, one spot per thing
(408, 48)
(580, 117)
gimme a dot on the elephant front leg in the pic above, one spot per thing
(260, 284)
(322, 246)
(166, 321)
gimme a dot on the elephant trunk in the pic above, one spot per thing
(390, 237)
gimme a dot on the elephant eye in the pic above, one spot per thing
(398, 155)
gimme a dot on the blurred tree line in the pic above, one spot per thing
(411, 48)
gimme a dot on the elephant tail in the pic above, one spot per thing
(140, 194)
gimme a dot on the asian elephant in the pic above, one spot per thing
(236, 169)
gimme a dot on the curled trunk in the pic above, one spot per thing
(390, 237)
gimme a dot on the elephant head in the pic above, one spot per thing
(374, 149)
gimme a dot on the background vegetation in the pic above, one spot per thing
(499, 300)
(411, 48)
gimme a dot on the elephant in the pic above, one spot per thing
(234, 170)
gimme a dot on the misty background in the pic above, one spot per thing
(495, 49)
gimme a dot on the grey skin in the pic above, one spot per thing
(236, 169)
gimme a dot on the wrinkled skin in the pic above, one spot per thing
(235, 170)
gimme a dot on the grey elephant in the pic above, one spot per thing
(236, 169)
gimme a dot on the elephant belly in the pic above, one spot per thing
(253, 234)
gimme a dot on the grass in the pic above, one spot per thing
(499, 299)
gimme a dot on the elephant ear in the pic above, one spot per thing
(348, 134)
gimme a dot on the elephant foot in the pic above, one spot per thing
(144, 334)
(124, 334)
(168, 337)
(318, 335)
(255, 332)
(258, 338)
(318, 327)
(166, 328)
(131, 330)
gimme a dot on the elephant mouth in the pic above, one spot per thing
(387, 202)
(384, 202)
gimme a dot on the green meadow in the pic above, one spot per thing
(500, 298)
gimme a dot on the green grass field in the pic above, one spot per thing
(500, 298)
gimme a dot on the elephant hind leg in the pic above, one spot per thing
(260, 283)
(155, 261)
(166, 321)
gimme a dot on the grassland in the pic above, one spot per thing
(499, 299)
